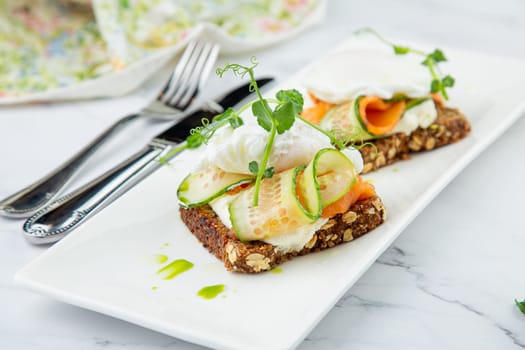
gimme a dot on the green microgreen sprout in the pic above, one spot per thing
(341, 139)
(202, 134)
(431, 61)
(288, 104)
(520, 305)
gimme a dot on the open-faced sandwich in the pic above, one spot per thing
(388, 97)
(271, 186)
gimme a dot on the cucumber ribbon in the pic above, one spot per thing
(346, 118)
(287, 201)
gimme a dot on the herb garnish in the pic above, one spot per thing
(432, 59)
(520, 305)
(288, 104)
(202, 134)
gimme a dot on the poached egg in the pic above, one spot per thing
(232, 150)
(367, 66)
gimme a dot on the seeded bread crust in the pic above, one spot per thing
(450, 126)
(258, 256)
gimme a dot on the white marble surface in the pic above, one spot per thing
(448, 282)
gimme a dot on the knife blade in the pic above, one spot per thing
(54, 221)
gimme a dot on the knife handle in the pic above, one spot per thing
(57, 219)
(28, 200)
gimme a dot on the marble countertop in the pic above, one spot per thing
(449, 280)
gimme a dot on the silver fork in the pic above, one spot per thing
(179, 92)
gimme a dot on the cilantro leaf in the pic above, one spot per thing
(284, 116)
(260, 109)
(520, 305)
(293, 96)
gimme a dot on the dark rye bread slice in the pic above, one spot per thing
(258, 256)
(450, 126)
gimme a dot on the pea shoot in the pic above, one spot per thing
(275, 115)
(431, 61)
(288, 104)
(202, 134)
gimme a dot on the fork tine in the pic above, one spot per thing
(177, 72)
(186, 73)
(177, 100)
(199, 74)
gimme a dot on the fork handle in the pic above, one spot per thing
(57, 219)
(28, 200)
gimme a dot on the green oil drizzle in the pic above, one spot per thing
(154, 288)
(277, 270)
(175, 268)
(395, 170)
(160, 258)
(211, 292)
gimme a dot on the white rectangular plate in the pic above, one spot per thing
(106, 265)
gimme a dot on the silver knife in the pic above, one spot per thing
(54, 221)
